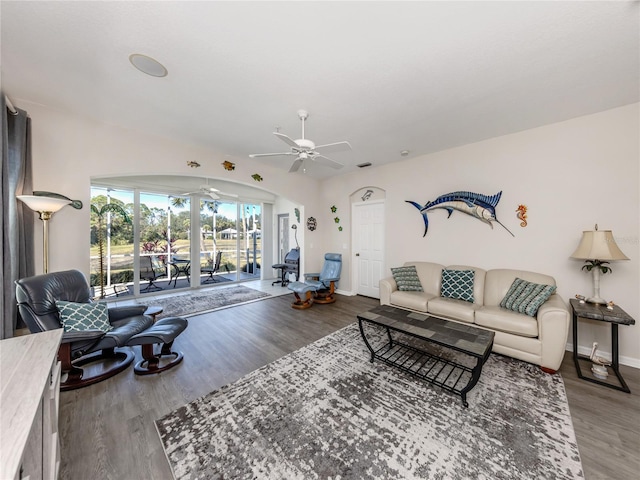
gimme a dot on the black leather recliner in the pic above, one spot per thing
(37, 305)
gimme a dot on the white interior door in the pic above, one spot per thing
(368, 247)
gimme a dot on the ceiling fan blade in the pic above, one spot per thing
(286, 140)
(335, 147)
(296, 165)
(225, 194)
(213, 195)
(327, 161)
(256, 155)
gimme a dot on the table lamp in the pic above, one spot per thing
(46, 207)
(598, 248)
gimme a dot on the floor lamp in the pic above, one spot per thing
(46, 207)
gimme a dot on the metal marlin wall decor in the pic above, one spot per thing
(482, 207)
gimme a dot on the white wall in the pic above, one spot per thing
(68, 151)
(570, 175)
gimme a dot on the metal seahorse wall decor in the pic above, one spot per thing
(482, 207)
(521, 213)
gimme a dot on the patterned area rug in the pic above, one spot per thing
(189, 304)
(325, 412)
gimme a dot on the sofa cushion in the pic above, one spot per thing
(498, 282)
(411, 300)
(430, 275)
(78, 317)
(478, 281)
(526, 297)
(452, 308)
(497, 318)
(457, 284)
(407, 279)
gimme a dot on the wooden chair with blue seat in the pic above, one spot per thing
(318, 287)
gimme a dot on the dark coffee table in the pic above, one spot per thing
(432, 368)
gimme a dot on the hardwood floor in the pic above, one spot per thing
(108, 432)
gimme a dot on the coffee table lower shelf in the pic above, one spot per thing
(448, 375)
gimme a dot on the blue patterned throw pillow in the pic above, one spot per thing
(407, 279)
(78, 317)
(458, 284)
(526, 297)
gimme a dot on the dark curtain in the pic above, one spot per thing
(16, 220)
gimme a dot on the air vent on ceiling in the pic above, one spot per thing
(362, 165)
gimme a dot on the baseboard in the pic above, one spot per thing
(629, 361)
(347, 293)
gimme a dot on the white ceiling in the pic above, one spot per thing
(386, 76)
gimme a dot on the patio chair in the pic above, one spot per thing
(211, 270)
(151, 271)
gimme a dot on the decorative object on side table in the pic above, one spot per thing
(599, 364)
(615, 317)
(598, 248)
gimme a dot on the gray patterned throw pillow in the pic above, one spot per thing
(407, 279)
(458, 284)
(78, 317)
(526, 297)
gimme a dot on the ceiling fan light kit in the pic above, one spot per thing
(305, 149)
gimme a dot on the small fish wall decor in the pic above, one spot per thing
(297, 213)
(482, 207)
(257, 177)
(521, 213)
(193, 164)
(229, 166)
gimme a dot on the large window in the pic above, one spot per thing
(224, 231)
(111, 240)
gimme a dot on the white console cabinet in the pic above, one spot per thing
(29, 400)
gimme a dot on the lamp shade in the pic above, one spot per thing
(598, 245)
(43, 204)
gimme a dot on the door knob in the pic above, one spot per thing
(357, 254)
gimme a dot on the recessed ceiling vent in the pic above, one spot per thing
(363, 165)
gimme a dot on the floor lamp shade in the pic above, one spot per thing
(598, 246)
(46, 207)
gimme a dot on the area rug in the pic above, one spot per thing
(196, 303)
(325, 412)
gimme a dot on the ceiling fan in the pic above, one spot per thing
(304, 149)
(212, 192)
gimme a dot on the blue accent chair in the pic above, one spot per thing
(318, 287)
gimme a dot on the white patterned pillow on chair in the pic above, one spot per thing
(458, 284)
(78, 317)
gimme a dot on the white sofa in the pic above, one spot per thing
(539, 340)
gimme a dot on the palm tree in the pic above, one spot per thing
(101, 213)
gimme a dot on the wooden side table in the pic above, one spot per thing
(615, 317)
